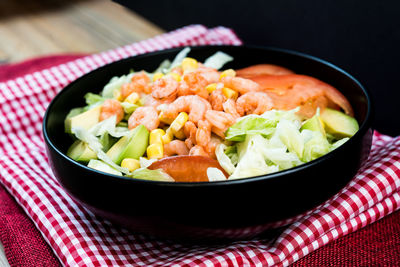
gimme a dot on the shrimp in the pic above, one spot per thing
(203, 133)
(229, 107)
(175, 147)
(193, 84)
(241, 85)
(219, 119)
(166, 87)
(262, 69)
(198, 151)
(212, 145)
(111, 107)
(147, 116)
(156, 103)
(254, 103)
(217, 98)
(139, 84)
(190, 129)
(211, 75)
(192, 104)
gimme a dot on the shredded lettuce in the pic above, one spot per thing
(314, 147)
(251, 159)
(288, 132)
(108, 126)
(92, 99)
(144, 162)
(223, 159)
(215, 175)
(250, 125)
(101, 166)
(338, 143)
(217, 60)
(73, 112)
(152, 175)
(178, 59)
(115, 84)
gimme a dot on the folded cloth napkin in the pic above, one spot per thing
(79, 238)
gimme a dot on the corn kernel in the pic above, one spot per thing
(189, 63)
(156, 136)
(155, 151)
(157, 76)
(117, 95)
(130, 164)
(211, 87)
(179, 122)
(176, 76)
(132, 98)
(164, 119)
(180, 134)
(227, 73)
(168, 136)
(229, 93)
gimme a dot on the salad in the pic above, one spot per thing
(191, 122)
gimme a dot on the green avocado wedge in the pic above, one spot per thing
(131, 146)
(339, 124)
(84, 120)
(80, 151)
(314, 124)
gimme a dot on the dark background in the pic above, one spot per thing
(362, 37)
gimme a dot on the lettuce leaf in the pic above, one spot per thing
(217, 60)
(315, 145)
(250, 125)
(151, 175)
(251, 158)
(224, 159)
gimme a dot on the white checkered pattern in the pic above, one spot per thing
(79, 238)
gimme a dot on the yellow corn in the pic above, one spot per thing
(132, 98)
(117, 95)
(211, 87)
(176, 76)
(155, 151)
(164, 119)
(179, 122)
(156, 136)
(130, 164)
(227, 73)
(189, 63)
(168, 136)
(157, 76)
(229, 93)
(180, 134)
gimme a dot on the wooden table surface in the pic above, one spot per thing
(42, 27)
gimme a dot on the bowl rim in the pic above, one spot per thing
(364, 127)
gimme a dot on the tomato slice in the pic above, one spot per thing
(293, 87)
(262, 69)
(187, 168)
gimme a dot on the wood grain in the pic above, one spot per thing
(34, 28)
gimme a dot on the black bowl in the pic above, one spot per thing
(231, 209)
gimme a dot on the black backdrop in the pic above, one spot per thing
(362, 37)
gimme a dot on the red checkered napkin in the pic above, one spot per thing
(78, 238)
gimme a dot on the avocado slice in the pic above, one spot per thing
(103, 167)
(84, 120)
(131, 146)
(314, 124)
(80, 151)
(339, 124)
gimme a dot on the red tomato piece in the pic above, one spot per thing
(187, 168)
